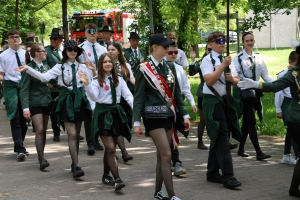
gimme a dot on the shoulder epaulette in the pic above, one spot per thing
(178, 63)
(280, 72)
(120, 75)
(95, 77)
(81, 45)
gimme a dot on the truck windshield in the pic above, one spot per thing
(78, 23)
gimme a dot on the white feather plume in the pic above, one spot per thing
(295, 43)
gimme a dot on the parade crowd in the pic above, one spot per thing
(118, 92)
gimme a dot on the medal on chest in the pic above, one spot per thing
(89, 54)
(106, 87)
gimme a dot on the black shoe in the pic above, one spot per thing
(77, 172)
(80, 138)
(215, 178)
(126, 157)
(294, 192)
(56, 138)
(72, 168)
(108, 180)
(263, 156)
(119, 184)
(202, 146)
(242, 153)
(231, 183)
(91, 150)
(233, 146)
(43, 164)
(98, 146)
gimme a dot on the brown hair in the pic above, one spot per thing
(101, 74)
(91, 26)
(214, 35)
(205, 54)
(13, 32)
(34, 48)
(293, 56)
(65, 57)
(246, 33)
(124, 70)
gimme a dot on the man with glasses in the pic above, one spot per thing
(10, 59)
(181, 56)
(107, 36)
(215, 111)
(54, 55)
(92, 50)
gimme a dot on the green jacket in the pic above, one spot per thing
(106, 110)
(11, 91)
(212, 126)
(193, 70)
(52, 59)
(33, 92)
(288, 80)
(146, 95)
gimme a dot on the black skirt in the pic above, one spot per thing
(117, 128)
(152, 124)
(78, 116)
(39, 110)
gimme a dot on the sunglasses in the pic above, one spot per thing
(209, 49)
(220, 41)
(91, 31)
(70, 49)
(14, 37)
(172, 52)
(51, 38)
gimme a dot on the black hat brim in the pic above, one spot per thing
(166, 43)
(107, 31)
(79, 51)
(134, 38)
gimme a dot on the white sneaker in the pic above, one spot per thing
(175, 198)
(178, 169)
(21, 156)
(160, 196)
(288, 159)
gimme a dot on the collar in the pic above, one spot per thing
(38, 64)
(14, 50)
(155, 62)
(106, 77)
(246, 56)
(215, 54)
(69, 63)
(137, 49)
(91, 44)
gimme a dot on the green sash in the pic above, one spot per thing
(11, 92)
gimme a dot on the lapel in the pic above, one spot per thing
(55, 53)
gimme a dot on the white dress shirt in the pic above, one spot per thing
(100, 95)
(260, 67)
(88, 54)
(8, 63)
(133, 51)
(56, 71)
(128, 67)
(182, 59)
(279, 96)
(208, 68)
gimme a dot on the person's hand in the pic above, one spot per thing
(279, 115)
(194, 109)
(89, 65)
(138, 131)
(247, 83)
(193, 54)
(21, 68)
(227, 61)
(26, 114)
(50, 85)
(229, 77)
(187, 124)
(83, 78)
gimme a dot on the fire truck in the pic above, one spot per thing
(115, 18)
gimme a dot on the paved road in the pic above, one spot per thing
(23, 180)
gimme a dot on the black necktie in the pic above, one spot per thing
(18, 59)
(74, 82)
(95, 56)
(42, 69)
(135, 54)
(113, 91)
(253, 68)
(221, 58)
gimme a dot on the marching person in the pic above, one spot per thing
(290, 79)
(109, 118)
(72, 104)
(123, 68)
(250, 65)
(157, 88)
(92, 50)
(283, 100)
(181, 56)
(186, 92)
(134, 55)
(194, 68)
(35, 98)
(11, 58)
(215, 111)
(107, 35)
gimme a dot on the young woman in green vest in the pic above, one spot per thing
(73, 105)
(109, 118)
(290, 79)
(35, 98)
(157, 88)
(123, 68)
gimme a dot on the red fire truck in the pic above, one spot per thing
(115, 18)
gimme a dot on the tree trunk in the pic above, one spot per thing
(194, 18)
(17, 15)
(64, 16)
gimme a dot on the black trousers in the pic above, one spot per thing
(54, 123)
(294, 131)
(249, 121)
(219, 156)
(288, 143)
(18, 129)
(175, 154)
(90, 141)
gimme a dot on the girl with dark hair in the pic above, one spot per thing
(72, 104)
(156, 97)
(123, 68)
(194, 68)
(250, 65)
(35, 97)
(290, 79)
(109, 118)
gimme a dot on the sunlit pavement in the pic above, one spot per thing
(23, 180)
